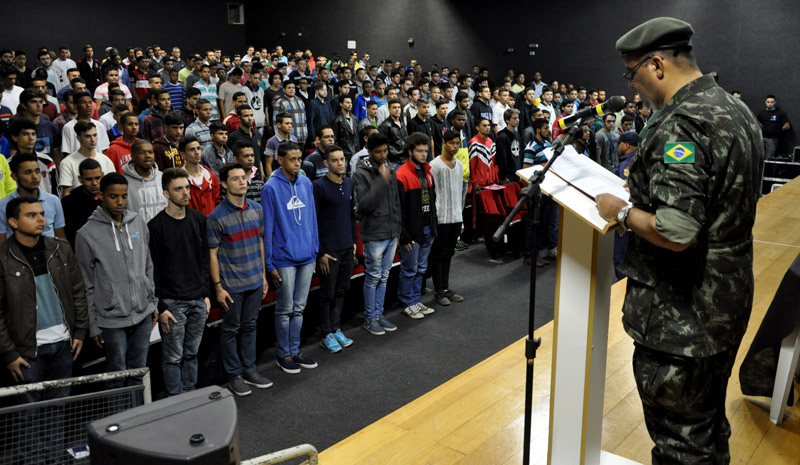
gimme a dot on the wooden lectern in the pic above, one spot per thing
(584, 276)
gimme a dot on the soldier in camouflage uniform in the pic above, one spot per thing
(694, 186)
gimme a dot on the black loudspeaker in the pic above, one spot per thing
(198, 427)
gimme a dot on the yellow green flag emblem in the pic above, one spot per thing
(680, 152)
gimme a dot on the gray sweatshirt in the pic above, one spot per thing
(145, 195)
(117, 270)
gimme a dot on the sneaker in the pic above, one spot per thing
(453, 296)
(461, 245)
(237, 387)
(385, 324)
(288, 365)
(304, 362)
(330, 343)
(343, 340)
(541, 262)
(373, 327)
(442, 299)
(424, 309)
(496, 260)
(413, 312)
(254, 378)
(424, 290)
(552, 253)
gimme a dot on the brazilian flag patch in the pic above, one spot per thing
(679, 152)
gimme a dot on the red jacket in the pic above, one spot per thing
(120, 153)
(205, 196)
(411, 202)
(482, 167)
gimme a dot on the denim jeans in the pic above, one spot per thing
(237, 336)
(289, 306)
(332, 289)
(378, 258)
(45, 425)
(770, 148)
(413, 264)
(126, 348)
(179, 346)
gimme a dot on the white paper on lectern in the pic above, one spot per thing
(586, 175)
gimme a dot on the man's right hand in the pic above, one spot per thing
(324, 266)
(16, 371)
(164, 318)
(276, 278)
(99, 340)
(384, 170)
(223, 297)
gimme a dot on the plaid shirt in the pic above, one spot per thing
(297, 110)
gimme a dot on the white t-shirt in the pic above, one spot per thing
(69, 169)
(108, 120)
(102, 91)
(69, 141)
(11, 98)
(497, 116)
(61, 67)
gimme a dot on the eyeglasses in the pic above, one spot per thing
(629, 74)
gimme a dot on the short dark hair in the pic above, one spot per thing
(19, 124)
(186, 140)
(371, 103)
(376, 140)
(88, 165)
(238, 94)
(537, 124)
(331, 148)
(319, 129)
(415, 139)
(116, 93)
(450, 134)
(173, 119)
(241, 108)
(172, 173)
(15, 205)
(236, 72)
(192, 91)
(21, 158)
(239, 146)
(216, 126)
(138, 143)
(365, 131)
(80, 95)
(29, 94)
(111, 179)
(83, 126)
(223, 172)
(286, 147)
(282, 116)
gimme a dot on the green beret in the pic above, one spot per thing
(656, 34)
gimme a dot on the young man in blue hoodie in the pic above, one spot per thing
(291, 244)
(113, 254)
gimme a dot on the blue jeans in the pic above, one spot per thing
(179, 346)
(45, 425)
(289, 306)
(378, 258)
(413, 265)
(126, 348)
(770, 148)
(237, 336)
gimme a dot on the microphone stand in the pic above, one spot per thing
(532, 195)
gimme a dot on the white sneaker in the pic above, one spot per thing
(423, 309)
(552, 253)
(413, 312)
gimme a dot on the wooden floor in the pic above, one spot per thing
(477, 417)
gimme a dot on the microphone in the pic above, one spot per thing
(612, 105)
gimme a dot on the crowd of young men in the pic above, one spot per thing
(181, 185)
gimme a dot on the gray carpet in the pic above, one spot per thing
(379, 374)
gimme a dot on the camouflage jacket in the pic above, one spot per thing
(698, 170)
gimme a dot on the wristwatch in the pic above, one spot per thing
(622, 216)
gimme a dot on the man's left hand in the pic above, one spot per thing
(609, 205)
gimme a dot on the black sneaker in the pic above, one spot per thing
(288, 365)
(304, 362)
(254, 378)
(238, 387)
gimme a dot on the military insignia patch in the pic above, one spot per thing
(680, 152)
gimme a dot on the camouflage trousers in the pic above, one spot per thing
(683, 399)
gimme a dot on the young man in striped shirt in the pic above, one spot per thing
(235, 234)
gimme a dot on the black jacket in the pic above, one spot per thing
(78, 206)
(509, 155)
(91, 74)
(397, 137)
(411, 203)
(346, 135)
(18, 296)
(377, 202)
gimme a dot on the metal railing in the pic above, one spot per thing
(287, 454)
(44, 428)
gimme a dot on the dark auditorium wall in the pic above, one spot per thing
(194, 26)
(750, 44)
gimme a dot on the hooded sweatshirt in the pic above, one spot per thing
(119, 153)
(145, 195)
(290, 222)
(117, 270)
